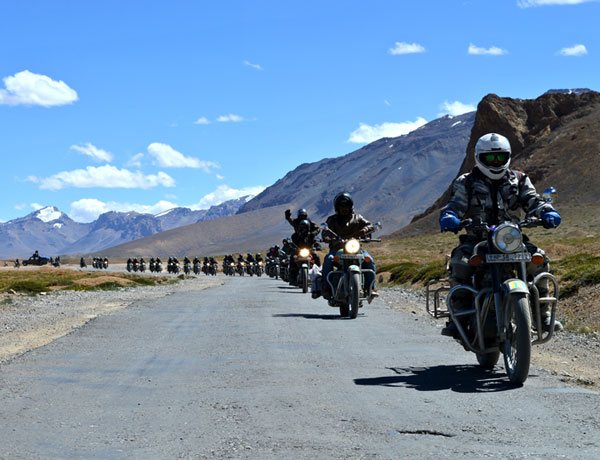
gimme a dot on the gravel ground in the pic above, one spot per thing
(573, 357)
(29, 322)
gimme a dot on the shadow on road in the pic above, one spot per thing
(307, 316)
(459, 378)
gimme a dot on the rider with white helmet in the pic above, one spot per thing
(493, 193)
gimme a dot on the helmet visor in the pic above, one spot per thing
(494, 159)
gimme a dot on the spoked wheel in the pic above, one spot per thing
(517, 347)
(354, 294)
(304, 278)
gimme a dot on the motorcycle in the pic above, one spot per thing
(503, 299)
(213, 268)
(347, 278)
(259, 268)
(187, 267)
(303, 259)
(284, 268)
(129, 265)
(142, 267)
(105, 263)
(173, 267)
(273, 267)
(229, 268)
(196, 267)
(240, 268)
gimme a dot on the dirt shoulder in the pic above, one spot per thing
(574, 358)
(28, 322)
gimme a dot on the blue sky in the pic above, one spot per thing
(131, 105)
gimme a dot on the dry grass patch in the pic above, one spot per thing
(46, 279)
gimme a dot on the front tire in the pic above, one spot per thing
(304, 278)
(354, 294)
(488, 360)
(517, 346)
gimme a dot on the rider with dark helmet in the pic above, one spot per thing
(346, 224)
(301, 216)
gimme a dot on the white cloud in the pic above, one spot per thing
(225, 193)
(106, 176)
(386, 102)
(88, 209)
(455, 108)
(230, 118)
(533, 3)
(219, 176)
(27, 88)
(93, 152)
(492, 51)
(202, 121)
(367, 133)
(135, 161)
(406, 48)
(167, 157)
(37, 206)
(254, 66)
(575, 50)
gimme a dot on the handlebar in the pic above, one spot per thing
(476, 224)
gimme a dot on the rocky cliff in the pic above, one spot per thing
(554, 139)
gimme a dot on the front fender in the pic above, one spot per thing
(354, 269)
(515, 285)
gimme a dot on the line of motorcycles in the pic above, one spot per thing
(347, 280)
(100, 263)
(242, 268)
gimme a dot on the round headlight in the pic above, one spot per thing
(304, 252)
(508, 238)
(352, 246)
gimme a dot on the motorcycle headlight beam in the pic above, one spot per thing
(352, 246)
(304, 252)
(508, 238)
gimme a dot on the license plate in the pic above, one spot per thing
(503, 258)
(350, 256)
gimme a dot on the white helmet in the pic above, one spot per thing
(492, 155)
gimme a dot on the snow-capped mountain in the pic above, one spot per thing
(52, 232)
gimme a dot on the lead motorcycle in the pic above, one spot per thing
(347, 278)
(504, 300)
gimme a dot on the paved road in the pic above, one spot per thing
(254, 369)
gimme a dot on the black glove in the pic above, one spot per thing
(288, 213)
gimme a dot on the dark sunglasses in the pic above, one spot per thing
(494, 157)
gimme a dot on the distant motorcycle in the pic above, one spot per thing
(229, 269)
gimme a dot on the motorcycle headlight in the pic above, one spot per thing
(352, 246)
(507, 238)
(304, 252)
(232, 264)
